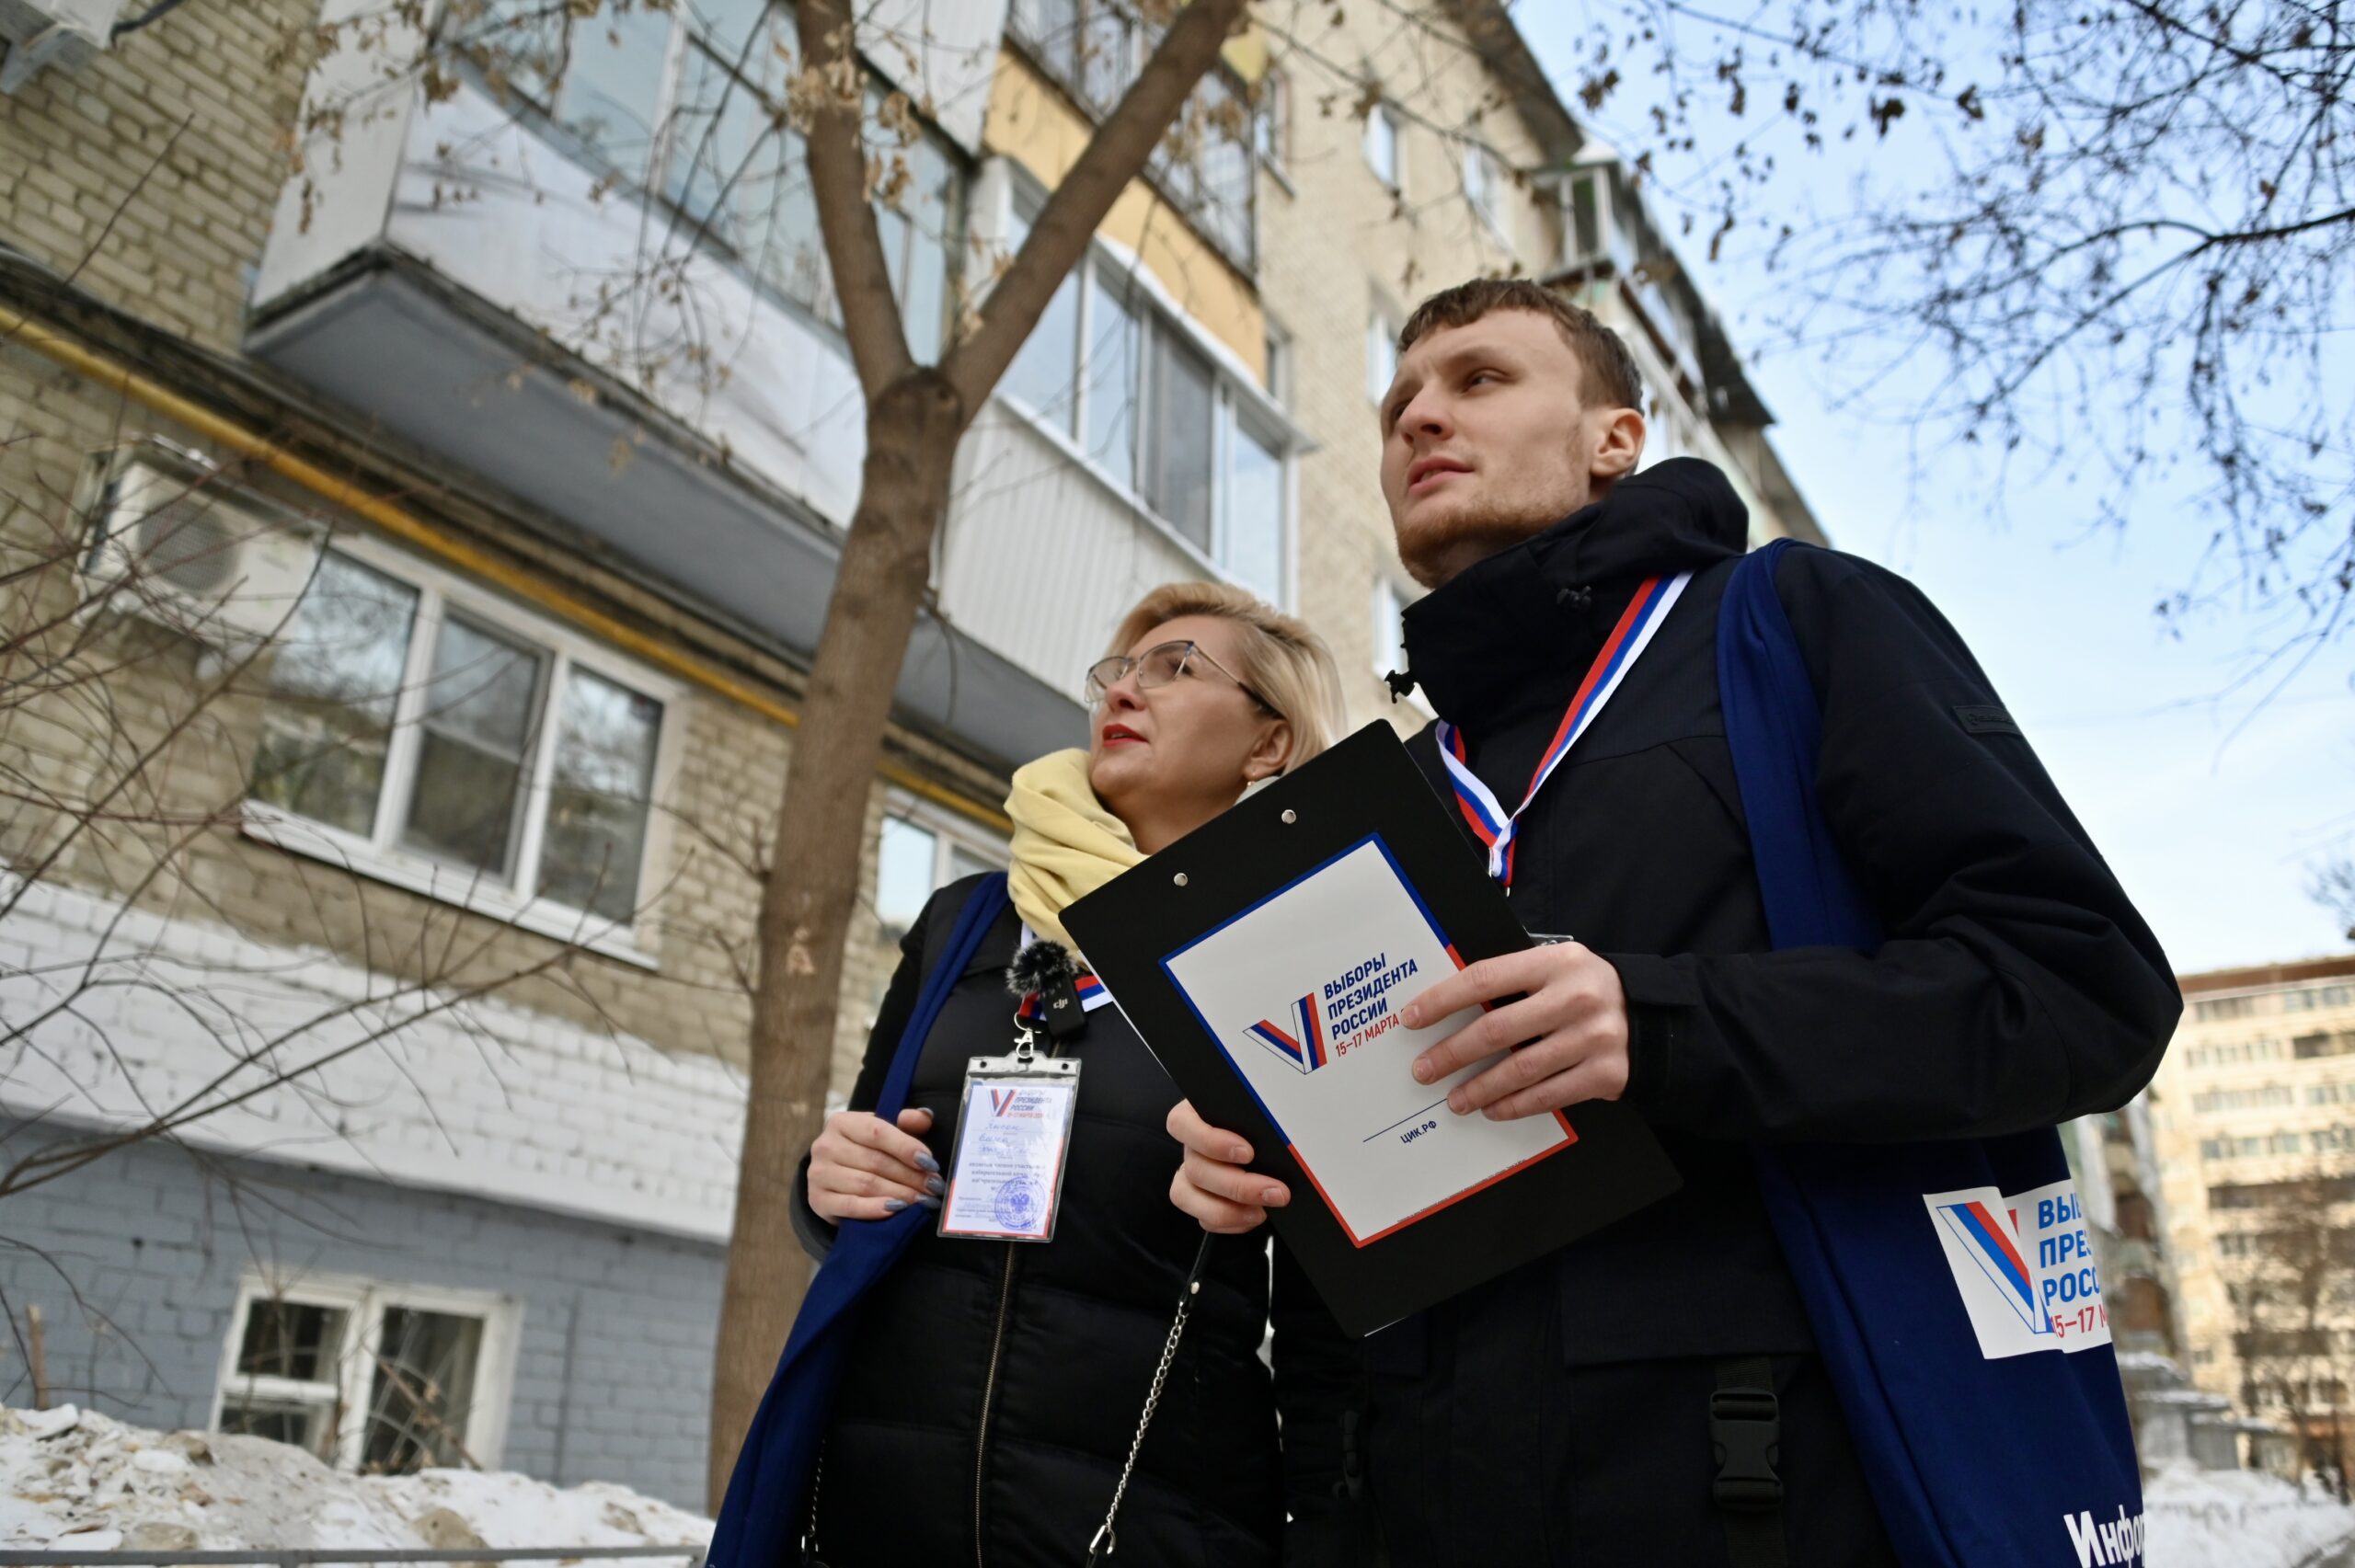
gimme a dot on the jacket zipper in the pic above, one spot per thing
(989, 1397)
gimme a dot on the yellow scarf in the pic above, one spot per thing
(1065, 843)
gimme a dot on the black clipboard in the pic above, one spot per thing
(1365, 788)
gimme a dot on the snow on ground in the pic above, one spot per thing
(73, 1479)
(2238, 1518)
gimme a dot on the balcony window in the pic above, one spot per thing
(1180, 439)
(1094, 49)
(678, 100)
(1113, 352)
(413, 729)
(369, 1377)
(1150, 410)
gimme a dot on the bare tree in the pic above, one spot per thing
(847, 146)
(2109, 239)
(2293, 1291)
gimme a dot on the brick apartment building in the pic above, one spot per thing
(423, 471)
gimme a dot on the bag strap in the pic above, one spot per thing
(756, 1523)
(1774, 729)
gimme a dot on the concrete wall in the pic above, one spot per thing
(612, 1366)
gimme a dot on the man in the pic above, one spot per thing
(1559, 1414)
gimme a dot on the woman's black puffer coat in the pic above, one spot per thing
(992, 1388)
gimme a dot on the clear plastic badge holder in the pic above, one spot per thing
(1006, 1173)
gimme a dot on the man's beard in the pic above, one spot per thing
(1436, 549)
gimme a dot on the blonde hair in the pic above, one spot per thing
(1288, 665)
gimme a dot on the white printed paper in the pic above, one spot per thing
(1007, 1173)
(1302, 994)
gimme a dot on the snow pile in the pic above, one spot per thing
(2238, 1518)
(76, 1480)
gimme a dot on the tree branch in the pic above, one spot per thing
(1120, 147)
(879, 338)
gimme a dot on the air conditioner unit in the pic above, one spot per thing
(183, 548)
(64, 33)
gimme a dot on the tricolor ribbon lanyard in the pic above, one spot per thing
(1490, 823)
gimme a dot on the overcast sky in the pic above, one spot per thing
(2211, 805)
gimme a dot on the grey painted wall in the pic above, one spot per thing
(155, 1239)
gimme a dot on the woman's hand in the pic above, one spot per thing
(862, 1167)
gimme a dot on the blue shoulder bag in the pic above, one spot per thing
(759, 1521)
(1949, 1284)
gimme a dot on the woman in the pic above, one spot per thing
(992, 1388)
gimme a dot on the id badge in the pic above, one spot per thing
(1006, 1176)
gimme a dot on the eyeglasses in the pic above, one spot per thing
(1158, 667)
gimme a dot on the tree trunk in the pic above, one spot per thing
(812, 883)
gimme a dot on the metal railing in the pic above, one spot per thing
(306, 1556)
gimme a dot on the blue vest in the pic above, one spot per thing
(1951, 1284)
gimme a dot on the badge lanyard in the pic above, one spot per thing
(1490, 821)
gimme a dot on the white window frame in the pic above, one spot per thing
(363, 1301)
(1236, 396)
(947, 828)
(1381, 114)
(1382, 331)
(1271, 130)
(380, 856)
(1484, 174)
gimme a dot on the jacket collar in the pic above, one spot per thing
(1523, 617)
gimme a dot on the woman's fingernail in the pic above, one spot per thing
(925, 1162)
(1456, 1102)
(1412, 1017)
(1272, 1195)
(893, 1205)
(930, 1202)
(1422, 1069)
(934, 1185)
(1238, 1153)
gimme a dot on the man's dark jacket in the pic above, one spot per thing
(2017, 989)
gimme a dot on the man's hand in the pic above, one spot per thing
(1211, 1183)
(1573, 1016)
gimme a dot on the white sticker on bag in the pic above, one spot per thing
(2023, 1264)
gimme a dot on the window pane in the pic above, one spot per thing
(595, 843)
(612, 84)
(903, 872)
(422, 1391)
(480, 702)
(1113, 352)
(963, 863)
(1255, 512)
(1182, 409)
(727, 164)
(305, 1425)
(1382, 146)
(333, 682)
(934, 214)
(1042, 376)
(300, 1340)
(1381, 360)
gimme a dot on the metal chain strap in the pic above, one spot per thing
(810, 1550)
(1105, 1543)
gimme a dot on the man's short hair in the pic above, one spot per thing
(1612, 380)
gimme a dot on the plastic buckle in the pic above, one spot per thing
(1746, 1431)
